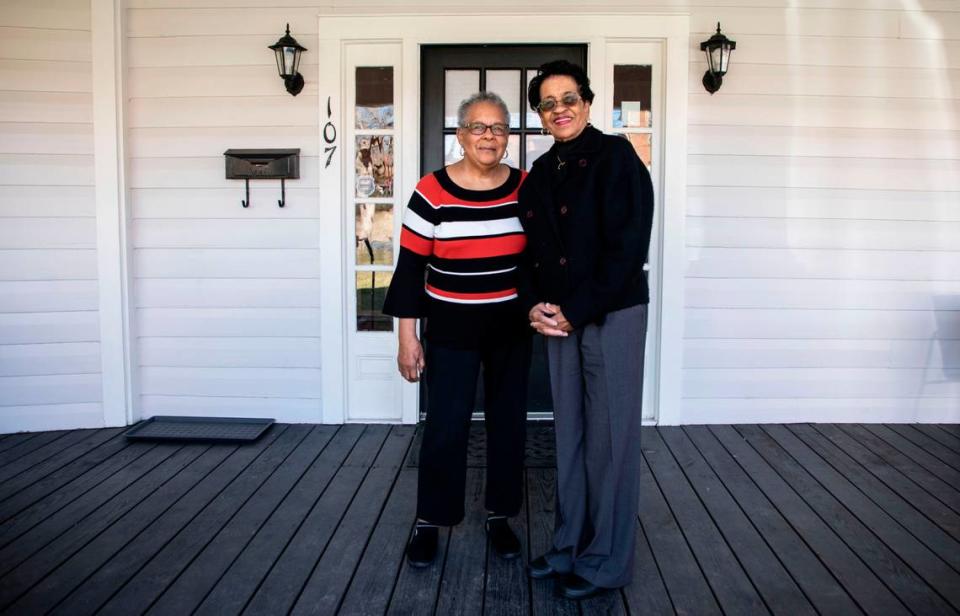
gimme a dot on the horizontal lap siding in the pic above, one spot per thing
(226, 298)
(823, 220)
(49, 330)
(823, 274)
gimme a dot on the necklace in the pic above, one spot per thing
(560, 163)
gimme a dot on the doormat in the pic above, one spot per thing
(540, 449)
(199, 429)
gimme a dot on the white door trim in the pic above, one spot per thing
(113, 268)
(421, 29)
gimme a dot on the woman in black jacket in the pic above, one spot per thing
(587, 209)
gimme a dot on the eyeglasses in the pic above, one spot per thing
(567, 100)
(479, 128)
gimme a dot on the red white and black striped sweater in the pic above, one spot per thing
(459, 252)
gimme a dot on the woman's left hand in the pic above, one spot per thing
(548, 320)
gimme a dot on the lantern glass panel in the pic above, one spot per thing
(713, 56)
(724, 59)
(289, 55)
(278, 56)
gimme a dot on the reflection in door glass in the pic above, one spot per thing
(631, 96)
(374, 233)
(371, 291)
(537, 145)
(458, 85)
(374, 97)
(374, 166)
(642, 143)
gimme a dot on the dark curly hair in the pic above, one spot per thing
(559, 67)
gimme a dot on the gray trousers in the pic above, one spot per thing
(596, 378)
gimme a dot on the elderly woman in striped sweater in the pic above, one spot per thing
(459, 249)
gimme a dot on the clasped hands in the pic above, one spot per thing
(548, 319)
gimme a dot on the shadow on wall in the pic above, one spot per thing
(943, 357)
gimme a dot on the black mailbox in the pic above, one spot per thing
(263, 164)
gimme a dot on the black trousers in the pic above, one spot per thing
(451, 380)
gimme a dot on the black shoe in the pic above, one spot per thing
(504, 542)
(540, 569)
(575, 587)
(422, 548)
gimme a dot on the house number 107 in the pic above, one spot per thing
(329, 136)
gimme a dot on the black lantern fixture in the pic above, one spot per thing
(288, 51)
(717, 48)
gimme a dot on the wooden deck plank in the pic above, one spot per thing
(149, 583)
(947, 434)
(507, 591)
(934, 485)
(123, 565)
(930, 445)
(902, 511)
(816, 581)
(90, 440)
(84, 526)
(646, 594)
(871, 595)
(26, 446)
(372, 584)
(416, 589)
(934, 571)
(918, 454)
(811, 517)
(930, 506)
(14, 498)
(884, 562)
(731, 585)
(689, 591)
(778, 589)
(241, 580)
(289, 573)
(940, 435)
(41, 454)
(464, 570)
(84, 562)
(327, 585)
(45, 528)
(202, 574)
(541, 512)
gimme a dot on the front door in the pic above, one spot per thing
(451, 73)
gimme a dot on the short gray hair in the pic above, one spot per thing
(481, 97)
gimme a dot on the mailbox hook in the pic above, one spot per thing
(283, 193)
(246, 202)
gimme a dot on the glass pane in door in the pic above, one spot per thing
(506, 84)
(458, 85)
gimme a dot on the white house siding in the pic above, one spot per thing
(49, 338)
(822, 229)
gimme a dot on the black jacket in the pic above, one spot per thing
(588, 225)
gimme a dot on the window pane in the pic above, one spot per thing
(374, 97)
(642, 143)
(374, 166)
(536, 146)
(507, 85)
(451, 150)
(458, 85)
(631, 95)
(374, 233)
(371, 291)
(533, 119)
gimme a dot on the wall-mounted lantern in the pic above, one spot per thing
(288, 51)
(717, 48)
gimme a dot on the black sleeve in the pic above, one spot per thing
(406, 297)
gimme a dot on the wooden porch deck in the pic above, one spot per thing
(788, 519)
